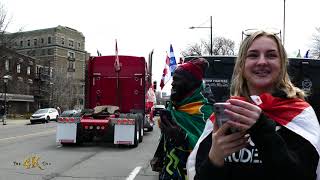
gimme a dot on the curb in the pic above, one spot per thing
(15, 121)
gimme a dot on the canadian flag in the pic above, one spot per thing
(165, 75)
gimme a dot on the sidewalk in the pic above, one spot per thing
(15, 121)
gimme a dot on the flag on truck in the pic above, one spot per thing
(116, 62)
(165, 75)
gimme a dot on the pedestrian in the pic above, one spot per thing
(278, 134)
(2, 111)
(188, 110)
(59, 110)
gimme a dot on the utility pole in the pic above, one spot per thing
(211, 36)
(210, 27)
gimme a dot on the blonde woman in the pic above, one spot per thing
(278, 133)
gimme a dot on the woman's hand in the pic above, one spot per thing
(224, 144)
(243, 115)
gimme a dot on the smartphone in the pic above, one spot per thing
(221, 117)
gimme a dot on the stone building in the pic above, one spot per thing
(62, 50)
(19, 91)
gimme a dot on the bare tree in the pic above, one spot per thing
(193, 50)
(4, 22)
(221, 46)
(6, 39)
(63, 91)
(316, 44)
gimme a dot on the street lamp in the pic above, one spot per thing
(5, 80)
(211, 45)
(51, 94)
(193, 27)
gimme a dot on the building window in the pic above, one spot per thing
(7, 65)
(18, 68)
(35, 42)
(49, 40)
(30, 81)
(38, 69)
(42, 40)
(43, 51)
(62, 40)
(71, 55)
(50, 51)
(79, 45)
(28, 70)
(21, 43)
(71, 43)
(28, 43)
(72, 65)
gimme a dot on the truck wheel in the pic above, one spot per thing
(141, 127)
(79, 135)
(136, 135)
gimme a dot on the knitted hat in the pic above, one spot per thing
(195, 67)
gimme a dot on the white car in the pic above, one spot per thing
(157, 108)
(44, 115)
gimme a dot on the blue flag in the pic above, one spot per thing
(173, 63)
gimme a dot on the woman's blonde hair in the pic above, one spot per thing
(239, 85)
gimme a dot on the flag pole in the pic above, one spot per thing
(117, 69)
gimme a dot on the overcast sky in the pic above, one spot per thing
(143, 25)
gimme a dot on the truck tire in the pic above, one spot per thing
(136, 134)
(141, 126)
(79, 135)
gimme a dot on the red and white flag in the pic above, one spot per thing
(116, 62)
(165, 75)
(294, 114)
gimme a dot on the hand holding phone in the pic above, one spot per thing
(221, 117)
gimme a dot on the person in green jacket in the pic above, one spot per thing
(188, 110)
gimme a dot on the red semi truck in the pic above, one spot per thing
(115, 103)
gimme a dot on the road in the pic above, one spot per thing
(29, 152)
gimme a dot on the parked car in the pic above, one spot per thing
(44, 115)
(70, 113)
(157, 108)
